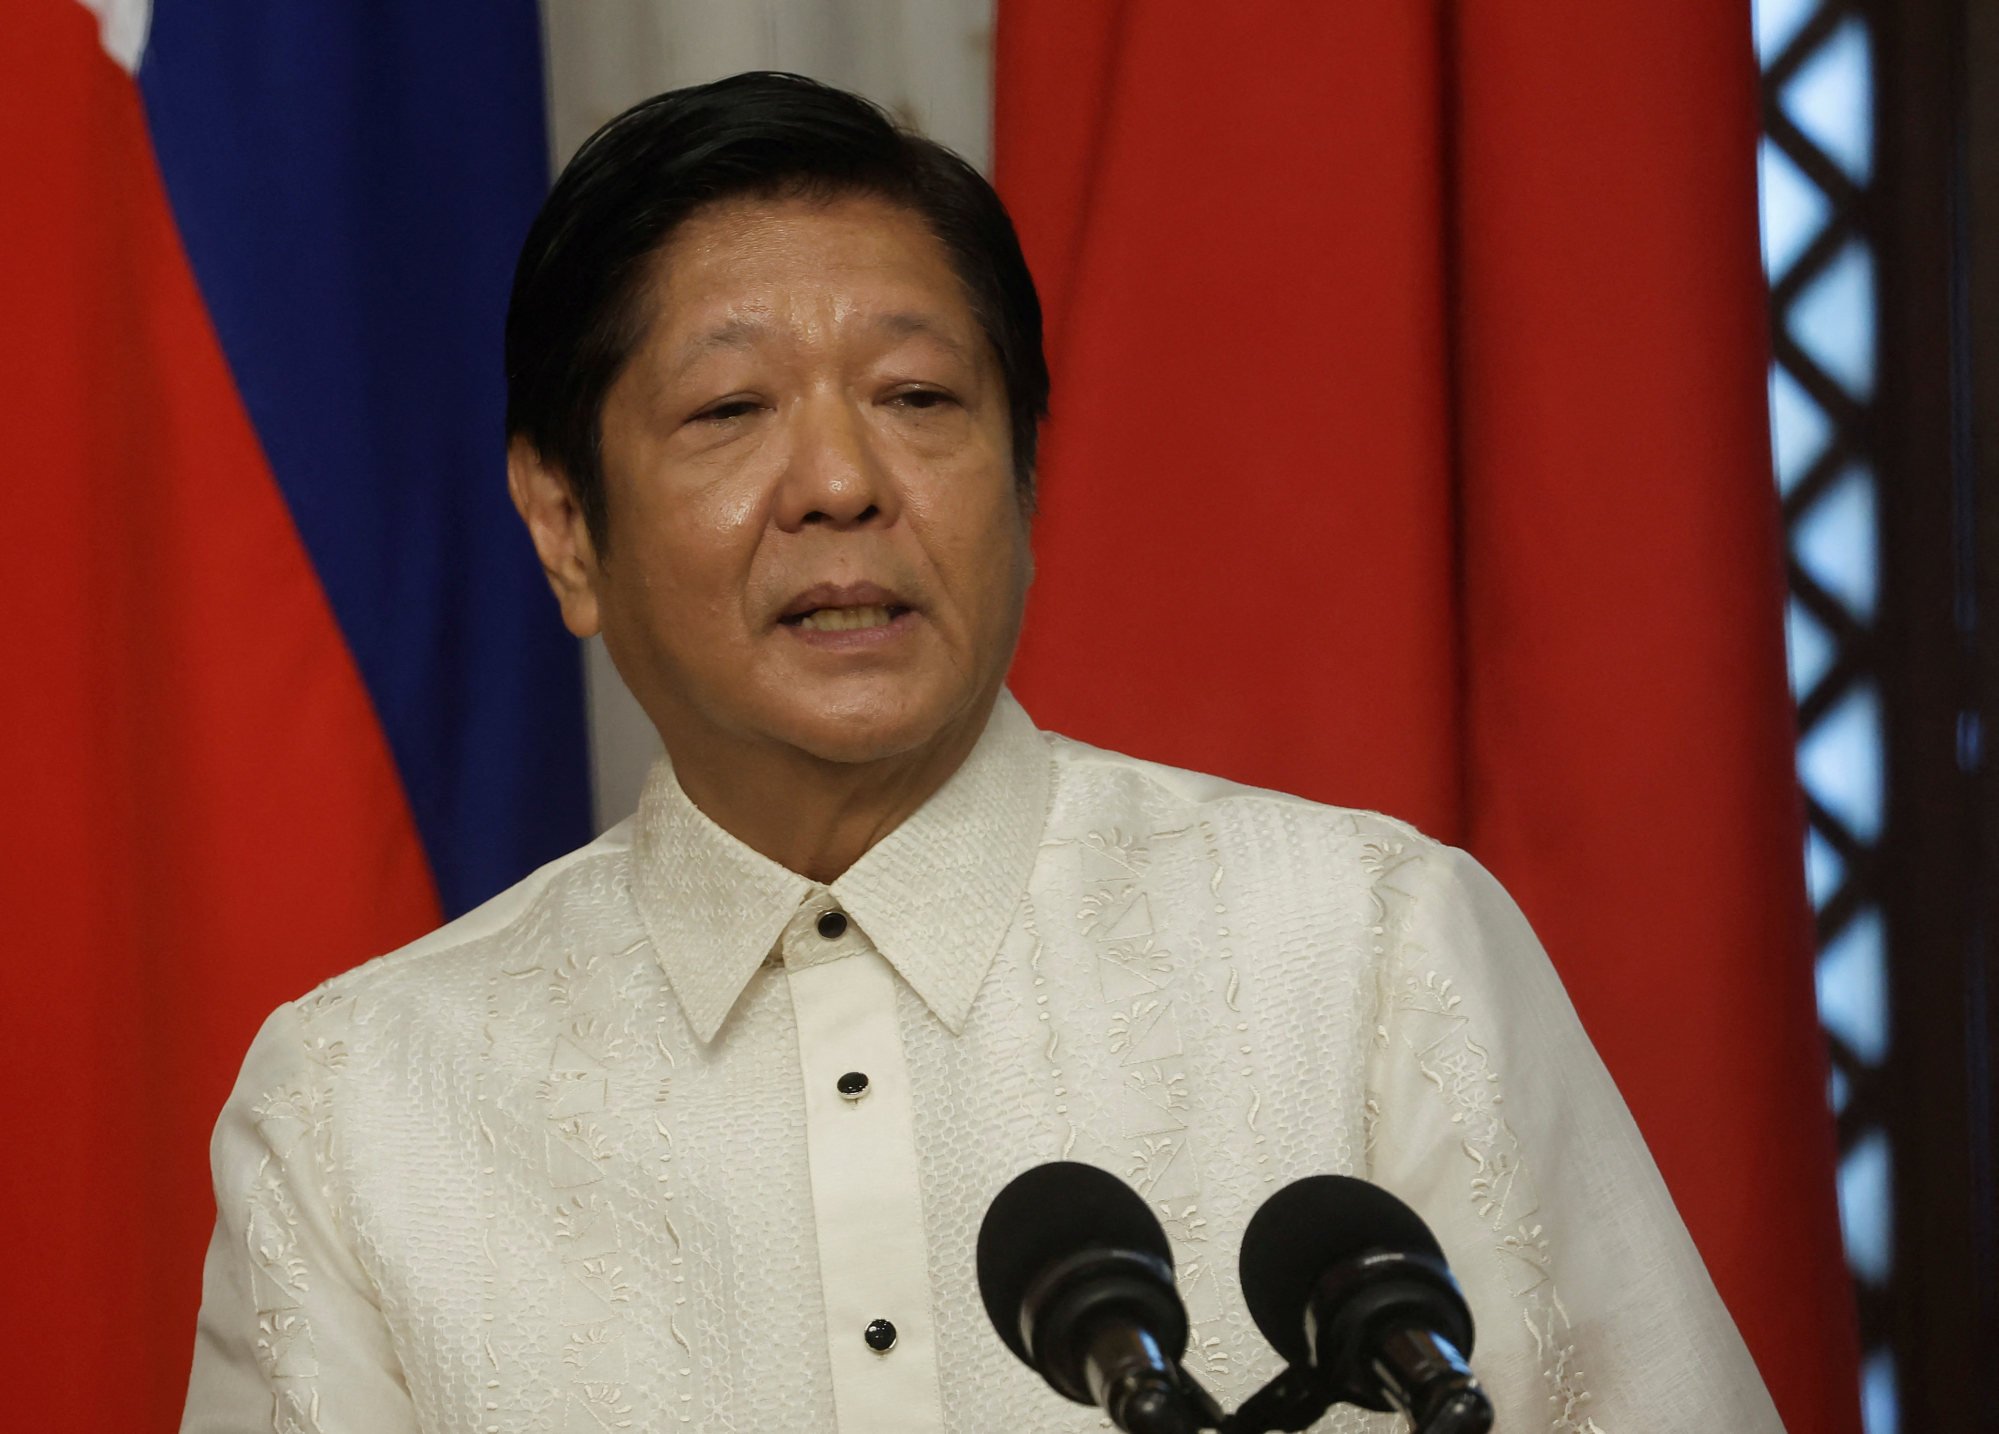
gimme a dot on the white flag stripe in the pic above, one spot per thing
(122, 27)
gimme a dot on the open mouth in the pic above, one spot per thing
(846, 619)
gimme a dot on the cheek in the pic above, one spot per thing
(988, 564)
(677, 604)
(692, 551)
(703, 508)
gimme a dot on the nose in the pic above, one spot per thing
(833, 476)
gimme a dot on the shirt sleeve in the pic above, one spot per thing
(1491, 1114)
(291, 1339)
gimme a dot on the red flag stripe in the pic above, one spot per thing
(205, 819)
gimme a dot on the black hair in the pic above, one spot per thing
(578, 307)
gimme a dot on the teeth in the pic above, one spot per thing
(844, 619)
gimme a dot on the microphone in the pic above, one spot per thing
(1347, 1282)
(1077, 1277)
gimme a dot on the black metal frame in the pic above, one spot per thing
(1931, 434)
(1939, 447)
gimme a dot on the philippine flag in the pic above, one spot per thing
(283, 687)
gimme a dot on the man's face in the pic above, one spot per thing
(815, 538)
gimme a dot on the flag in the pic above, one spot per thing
(284, 685)
(1408, 451)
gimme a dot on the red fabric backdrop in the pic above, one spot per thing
(1410, 452)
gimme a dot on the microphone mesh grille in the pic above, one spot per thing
(1304, 1230)
(1047, 1214)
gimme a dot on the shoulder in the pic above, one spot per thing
(580, 899)
(1095, 786)
(1298, 873)
(351, 1043)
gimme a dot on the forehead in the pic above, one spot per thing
(748, 263)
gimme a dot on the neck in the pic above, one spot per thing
(811, 815)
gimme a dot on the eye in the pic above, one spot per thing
(727, 409)
(921, 399)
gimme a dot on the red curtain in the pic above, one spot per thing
(1410, 452)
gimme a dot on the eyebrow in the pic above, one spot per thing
(734, 334)
(908, 325)
(744, 333)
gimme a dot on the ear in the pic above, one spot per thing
(546, 503)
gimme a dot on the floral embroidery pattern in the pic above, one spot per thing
(1052, 1051)
(1437, 1035)
(284, 1343)
(596, 1289)
(294, 1121)
(1230, 996)
(1138, 979)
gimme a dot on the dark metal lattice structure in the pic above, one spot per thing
(1817, 167)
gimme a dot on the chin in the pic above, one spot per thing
(855, 742)
(873, 731)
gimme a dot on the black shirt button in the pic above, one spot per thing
(880, 1335)
(853, 1085)
(833, 925)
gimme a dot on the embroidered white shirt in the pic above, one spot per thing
(668, 1136)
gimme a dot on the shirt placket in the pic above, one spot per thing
(866, 1199)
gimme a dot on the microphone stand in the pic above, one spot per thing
(1291, 1402)
(1288, 1404)
(1294, 1400)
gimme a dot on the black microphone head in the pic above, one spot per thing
(1303, 1231)
(1049, 1214)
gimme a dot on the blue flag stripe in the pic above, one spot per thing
(352, 183)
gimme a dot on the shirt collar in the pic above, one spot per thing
(935, 896)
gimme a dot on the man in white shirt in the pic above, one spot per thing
(695, 1127)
